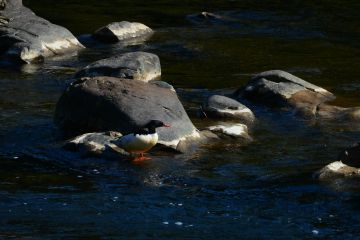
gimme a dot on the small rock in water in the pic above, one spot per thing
(315, 232)
(121, 31)
(218, 106)
(236, 130)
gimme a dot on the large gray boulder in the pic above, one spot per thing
(218, 106)
(122, 31)
(123, 105)
(28, 38)
(134, 65)
(281, 89)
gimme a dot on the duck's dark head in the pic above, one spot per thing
(153, 124)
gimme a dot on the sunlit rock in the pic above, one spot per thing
(123, 105)
(141, 66)
(336, 170)
(162, 84)
(218, 106)
(234, 130)
(97, 144)
(28, 38)
(121, 31)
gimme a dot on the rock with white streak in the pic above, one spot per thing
(140, 66)
(25, 37)
(218, 106)
(234, 131)
(122, 31)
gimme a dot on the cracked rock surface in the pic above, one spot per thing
(27, 38)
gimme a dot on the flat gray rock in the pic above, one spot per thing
(28, 38)
(218, 106)
(141, 66)
(122, 31)
(123, 105)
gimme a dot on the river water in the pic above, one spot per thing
(263, 190)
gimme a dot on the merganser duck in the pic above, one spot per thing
(142, 140)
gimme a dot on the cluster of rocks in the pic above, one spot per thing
(25, 37)
(120, 94)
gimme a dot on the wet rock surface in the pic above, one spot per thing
(27, 38)
(114, 104)
(141, 66)
(121, 31)
(217, 106)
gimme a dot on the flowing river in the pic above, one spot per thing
(263, 190)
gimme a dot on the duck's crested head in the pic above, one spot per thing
(155, 124)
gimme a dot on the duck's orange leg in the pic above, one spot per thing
(141, 158)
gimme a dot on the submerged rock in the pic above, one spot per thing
(121, 31)
(115, 104)
(134, 65)
(223, 107)
(28, 38)
(329, 112)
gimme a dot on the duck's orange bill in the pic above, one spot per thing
(167, 125)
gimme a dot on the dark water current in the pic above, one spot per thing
(264, 190)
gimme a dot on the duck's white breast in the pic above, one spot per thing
(138, 143)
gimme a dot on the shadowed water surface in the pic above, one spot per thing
(259, 191)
